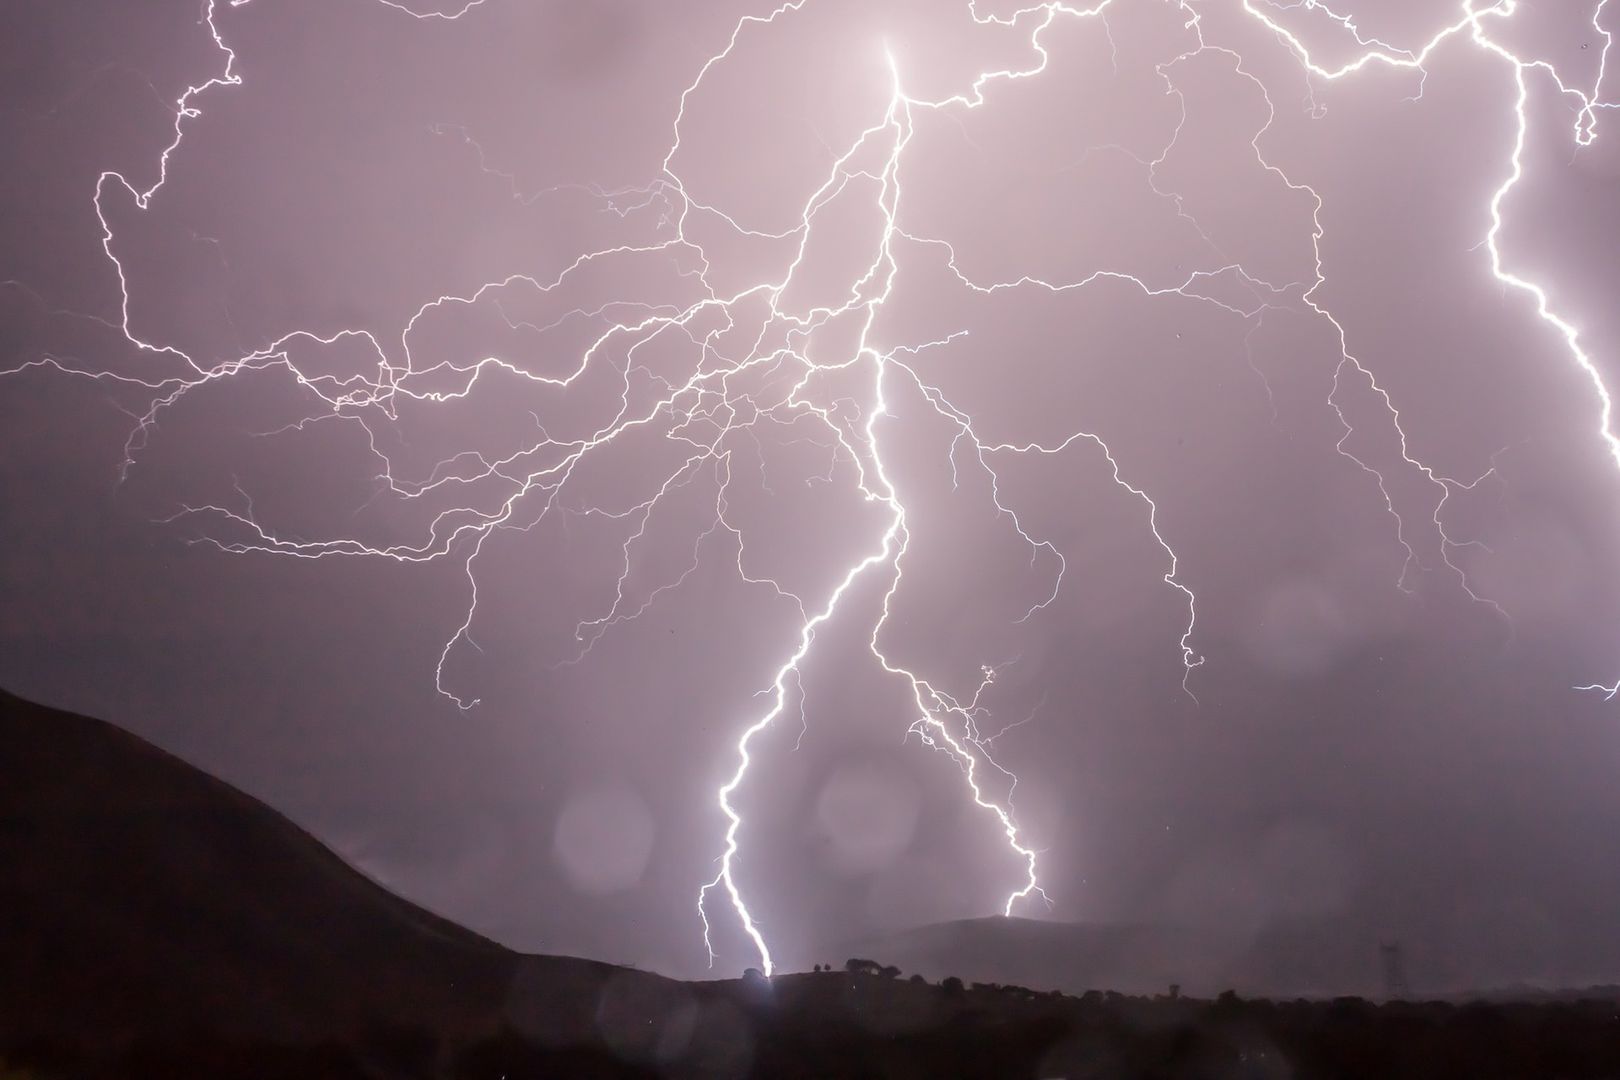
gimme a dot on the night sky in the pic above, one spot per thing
(244, 512)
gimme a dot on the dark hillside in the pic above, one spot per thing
(141, 894)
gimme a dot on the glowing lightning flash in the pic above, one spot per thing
(1473, 23)
(714, 407)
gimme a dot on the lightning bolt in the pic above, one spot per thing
(758, 363)
(1472, 26)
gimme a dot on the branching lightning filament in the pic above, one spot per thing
(713, 411)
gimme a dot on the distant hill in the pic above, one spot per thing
(1312, 959)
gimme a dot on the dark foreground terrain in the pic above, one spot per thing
(835, 1026)
(155, 923)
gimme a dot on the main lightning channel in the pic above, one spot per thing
(708, 411)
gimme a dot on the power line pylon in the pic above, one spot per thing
(1395, 985)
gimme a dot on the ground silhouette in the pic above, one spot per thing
(156, 923)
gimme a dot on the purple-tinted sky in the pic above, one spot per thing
(241, 503)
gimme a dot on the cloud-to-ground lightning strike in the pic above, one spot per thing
(1473, 22)
(726, 397)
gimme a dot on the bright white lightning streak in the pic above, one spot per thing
(707, 410)
(1473, 21)
(933, 705)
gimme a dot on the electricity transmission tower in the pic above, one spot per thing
(1395, 985)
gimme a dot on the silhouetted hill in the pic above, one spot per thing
(140, 894)
(1285, 959)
